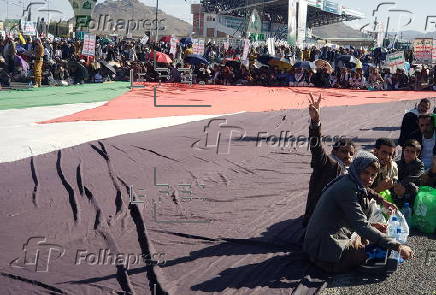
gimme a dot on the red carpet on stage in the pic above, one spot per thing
(139, 103)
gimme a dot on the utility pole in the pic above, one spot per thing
(157, 27)
(157, 33)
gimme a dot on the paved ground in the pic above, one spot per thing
(415, 277)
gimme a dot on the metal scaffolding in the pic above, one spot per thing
(272, 12)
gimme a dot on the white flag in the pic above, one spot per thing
(144, 40)
(246, 49)
(271, 47)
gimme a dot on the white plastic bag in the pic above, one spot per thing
(376, 213)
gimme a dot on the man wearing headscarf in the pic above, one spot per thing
(39, 60)
(341, 211)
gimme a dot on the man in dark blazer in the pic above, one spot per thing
(426, 136)
(410, 120)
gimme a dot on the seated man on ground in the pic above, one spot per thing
(410, 120)
(340, 212)
(328, 167)
(400, 81)
(425, 135)
(325, 167)
(410, 169)
(388, 174)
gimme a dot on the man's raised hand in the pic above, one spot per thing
(314, 107)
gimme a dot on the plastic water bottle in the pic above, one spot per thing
(398, 230)
(407, 212)
(393, 230)
(393, 225)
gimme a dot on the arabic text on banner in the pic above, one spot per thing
(395, 61)
(434, 51)
(88, 45)
(198, 46)
(423, 49)
(29, 29)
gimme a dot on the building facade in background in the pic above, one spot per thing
(289, 20)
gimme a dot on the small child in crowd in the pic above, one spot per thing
(410, 170)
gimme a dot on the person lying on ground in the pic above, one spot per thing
(388, 174)
(410, 170)
(425, 135)
(410, 120)
(340, 212)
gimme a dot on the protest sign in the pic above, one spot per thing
(434, 51)
(89, 45)
(29, 28)
(198, 46)
(144, 40)
(423, 49)
(395, 61)
(173, 46)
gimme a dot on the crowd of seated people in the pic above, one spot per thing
(63, 64)
(346, 181)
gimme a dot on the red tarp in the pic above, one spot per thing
(139, 103)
